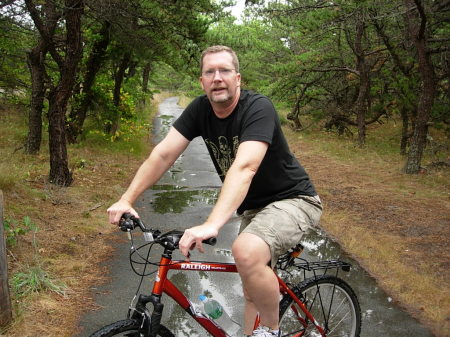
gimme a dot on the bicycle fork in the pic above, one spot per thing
(149, 323)
(163, 285)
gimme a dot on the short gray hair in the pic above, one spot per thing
(218, 49)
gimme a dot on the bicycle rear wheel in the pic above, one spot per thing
(129, 328)
(332, 303)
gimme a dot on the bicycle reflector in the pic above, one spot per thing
(296, 251)
(148, 237)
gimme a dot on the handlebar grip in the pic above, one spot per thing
(210, 241)
(128, 222)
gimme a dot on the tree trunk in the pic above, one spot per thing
(59, 169)
(78, 114)
(59, 165)
(294, 115)
(119, 76)
(113, 126)
(36, 64)
(416, 22)
(145, 77)
(67, 63)
(361, 101)
(5, 298)
(405, 130)
(36, 58)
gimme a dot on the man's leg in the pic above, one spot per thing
(250, 313)
(252, 256)
(265, 234)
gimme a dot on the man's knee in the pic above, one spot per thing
(249, 251)
(240, 252)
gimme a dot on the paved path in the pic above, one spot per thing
(183, 198)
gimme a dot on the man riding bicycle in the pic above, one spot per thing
(262, 181)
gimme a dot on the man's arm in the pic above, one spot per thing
(235, 187)
(160, 160)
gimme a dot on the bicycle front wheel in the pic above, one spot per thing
(129, 328)
(332, 303)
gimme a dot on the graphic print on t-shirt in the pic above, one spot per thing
(224, 154)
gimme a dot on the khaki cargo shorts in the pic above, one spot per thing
(282, 224)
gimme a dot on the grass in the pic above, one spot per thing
(34, 279)
(396, 225)
(51, 270)
(381, 153)
(184, 100)
(427, 291)
(9, 177)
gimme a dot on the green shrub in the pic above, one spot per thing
(34, 279)
(14, 229)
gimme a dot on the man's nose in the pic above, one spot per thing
(217, 75)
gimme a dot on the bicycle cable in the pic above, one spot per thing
(134, 250)
(143, 260)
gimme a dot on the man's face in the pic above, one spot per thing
(219, 79)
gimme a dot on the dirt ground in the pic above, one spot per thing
(395, 225)
(392, 224)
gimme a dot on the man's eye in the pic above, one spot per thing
(222, 71)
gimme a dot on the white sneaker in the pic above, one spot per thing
(263, 331)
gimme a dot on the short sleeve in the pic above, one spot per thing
(187, 124)
(259, 121)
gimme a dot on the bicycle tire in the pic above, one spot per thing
(129, 328)
(331, 301)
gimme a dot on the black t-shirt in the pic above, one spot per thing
(279, 176)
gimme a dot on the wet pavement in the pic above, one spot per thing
(183, 198)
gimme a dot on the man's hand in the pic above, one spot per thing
(194, 236)
(120, 207)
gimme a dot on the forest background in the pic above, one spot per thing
(76, 82)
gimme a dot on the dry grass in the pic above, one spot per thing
(397, 226)
(73, 231)
(67, 249)
(422, 291)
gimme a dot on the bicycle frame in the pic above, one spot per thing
(163, 285)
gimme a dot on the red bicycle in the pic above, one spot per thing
(321, 304)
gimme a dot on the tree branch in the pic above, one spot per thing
(423, 21)
(44, 30)
(346, 69)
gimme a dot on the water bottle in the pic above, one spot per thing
(214, 310)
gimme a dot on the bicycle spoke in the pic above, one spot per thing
(337, 325)
(332, 304)
(335, 311)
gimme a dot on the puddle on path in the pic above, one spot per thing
(175, 199)
(168, 187)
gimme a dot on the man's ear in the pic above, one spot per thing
(201, 82)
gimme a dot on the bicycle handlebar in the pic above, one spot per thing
(129, 222)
